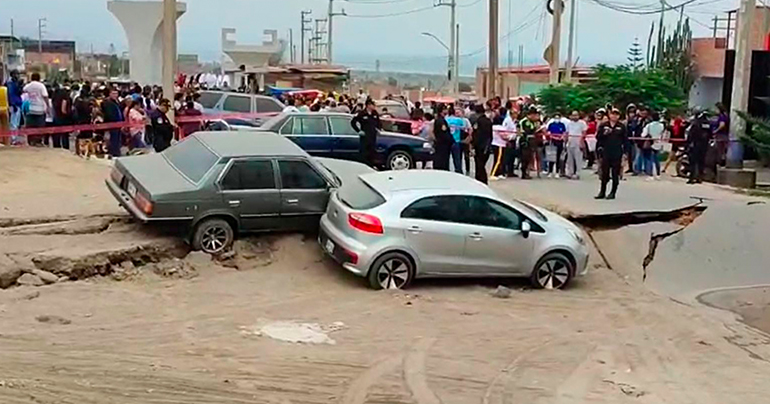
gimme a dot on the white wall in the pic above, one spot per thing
(706, 92)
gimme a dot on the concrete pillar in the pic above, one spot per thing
(143, 24)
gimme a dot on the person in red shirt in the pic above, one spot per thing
(677, 140)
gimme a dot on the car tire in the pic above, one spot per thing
(553, 271)
(393, 270)
(399, 160)
(213, 236)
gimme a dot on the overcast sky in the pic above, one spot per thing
(603, 35)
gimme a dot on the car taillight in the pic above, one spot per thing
(116, 176)
(365, 223)
(143, 203)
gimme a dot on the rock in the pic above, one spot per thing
(227, 255)
(502, 292)
(31, 296)
(9, 272)
(174, 268)
(30, 280)
(125, 270)
(46, 276)
(63, 279)
(198, 260)
(53, 319)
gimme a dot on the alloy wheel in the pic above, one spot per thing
(393, 274)
(552, 274)
(400, 161)
(214, 239)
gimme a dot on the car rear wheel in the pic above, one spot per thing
(213, 236)
(391, 271)
(553, 271)
(400, 160)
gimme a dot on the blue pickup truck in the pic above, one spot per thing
(329, 134)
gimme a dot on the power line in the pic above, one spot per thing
(396, 14)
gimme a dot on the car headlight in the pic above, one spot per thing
(578, 237)
(427, 145)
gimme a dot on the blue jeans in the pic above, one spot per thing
(457, 157)
(638, 165)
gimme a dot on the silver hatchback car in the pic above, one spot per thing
(392, 227)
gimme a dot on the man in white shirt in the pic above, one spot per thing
(576, 133)
(290, 106)
(38, 106)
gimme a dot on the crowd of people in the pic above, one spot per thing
(36, 104)
(516, 135)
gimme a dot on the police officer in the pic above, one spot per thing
(368, 122)
(697, 146)
(610, 138)
(482, 143)
(529, 126)
(443, 140)
(162, 127)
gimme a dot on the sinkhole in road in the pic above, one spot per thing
(682, 217)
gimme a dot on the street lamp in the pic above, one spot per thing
(450, 58)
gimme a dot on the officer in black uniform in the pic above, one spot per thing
(482, 143)
(610, 138)
(443, 140)
(368, 122)
(697, 145)
(163, 129)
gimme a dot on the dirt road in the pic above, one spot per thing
(150, 339)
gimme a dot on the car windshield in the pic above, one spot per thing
(531, 209)
(191, 158)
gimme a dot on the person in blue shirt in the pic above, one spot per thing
(15, 90)
(556, 130)
(457, 124)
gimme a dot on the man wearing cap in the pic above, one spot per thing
(529, 126)
(610, 138)
(482, 143)
(163, 129)
(368, 122)
(697, 145)
(443, 140)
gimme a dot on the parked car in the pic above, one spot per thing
(329, 134)
(221, 183)
(393, 227)
(397, 110)
(218, 102)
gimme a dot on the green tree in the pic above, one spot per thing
(635, 58)
(757, 134)
(618, 86)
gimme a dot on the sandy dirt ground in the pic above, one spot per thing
(151, 339)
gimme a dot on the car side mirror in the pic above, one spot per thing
(526, 228)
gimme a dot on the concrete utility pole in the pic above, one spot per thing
(452, 41)
(12, 37)
(40, 25)
(303, 29)
(494, 21)
(571, 45)
(169, 51)
(291, 46)
(556, 41)
(457, 57)
(741, 80)
(332, 14)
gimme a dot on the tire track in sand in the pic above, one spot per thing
(414, 373)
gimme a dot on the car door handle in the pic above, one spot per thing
(475, 236)
(234, 204)
(415, 230)
(292, 201)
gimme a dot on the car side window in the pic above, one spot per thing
(299, 175)
(249, 175)
(341, 126)
(237, 103)
(288, 127)
(489, 213)
(311, 126)
(437, 208)
(268, 105)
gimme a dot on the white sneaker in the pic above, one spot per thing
(650, 179)
(557, 175)
(494, 178)
(657, 178)
(550, 175)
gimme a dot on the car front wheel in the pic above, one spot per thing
(391, 271)
(553, 271)
(400, 160)
(213, 236)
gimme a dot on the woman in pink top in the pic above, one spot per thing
(138, 119)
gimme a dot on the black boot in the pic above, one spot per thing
(600, 196)
(611, 196)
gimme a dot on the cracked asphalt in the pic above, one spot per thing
(610, 338)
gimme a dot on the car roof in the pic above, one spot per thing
(240, 144)
(319, 113)
(389, 182)
(236, 93)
